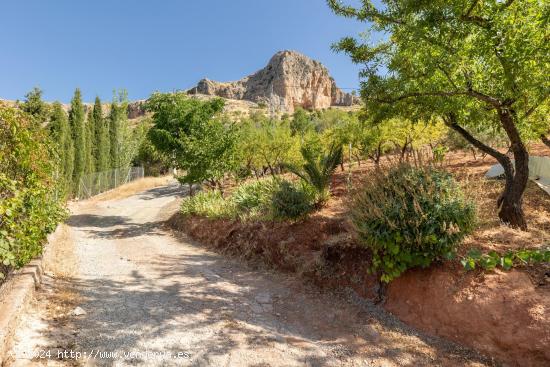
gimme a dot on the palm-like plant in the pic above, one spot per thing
(318, 169)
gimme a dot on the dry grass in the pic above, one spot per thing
(59, 256)
(133, 188)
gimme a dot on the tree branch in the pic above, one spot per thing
(535, 106)
(450, 120)
(447, 76)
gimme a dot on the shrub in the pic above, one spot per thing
(30, 199)
(291, 201)
(210, 204)
(410, 217)
(252, 198)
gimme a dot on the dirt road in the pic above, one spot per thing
(142, 296)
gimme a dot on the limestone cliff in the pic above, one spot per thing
(290, 79)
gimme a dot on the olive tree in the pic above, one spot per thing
(468, 62)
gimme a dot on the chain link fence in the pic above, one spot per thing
(98, 182)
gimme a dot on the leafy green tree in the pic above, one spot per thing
(35, 106)
(267, 144)
(190, 132)
(154, 162)
(301, 122)
(61, 135)
(78, 134)
(467, 62)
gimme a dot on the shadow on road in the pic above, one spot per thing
(208, 306)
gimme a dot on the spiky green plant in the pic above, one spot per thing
(318, 169)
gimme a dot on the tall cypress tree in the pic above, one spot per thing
(113, 121)
(61, 134)
(114, 132)
(101, 137)
(78, 134)
(90, 142)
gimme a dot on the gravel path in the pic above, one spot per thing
(141, 296)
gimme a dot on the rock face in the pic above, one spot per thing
(290, 79)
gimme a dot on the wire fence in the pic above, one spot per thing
(98, 182)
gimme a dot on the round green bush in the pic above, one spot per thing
(290, 201)
(410, 217)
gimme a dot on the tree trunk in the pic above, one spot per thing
(511, 210)
(545, 140)
(511, 200)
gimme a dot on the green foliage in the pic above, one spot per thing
(89, 143)
(489, 261)
(192, 134)
(29, 196)
(301, 122)
(252, 199)
(209, 204)
(439, 152)
(63, 142)
(473, 64)
(118, 121)
(35, 107)
(78, 133)
(291, 201)
(265, 199)
(101, 145)
(266, 144)
(318, 169)
(154, 162)
(410, 217)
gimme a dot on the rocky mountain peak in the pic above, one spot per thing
(290, 79)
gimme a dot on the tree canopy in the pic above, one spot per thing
(468, 62)
(192, 133)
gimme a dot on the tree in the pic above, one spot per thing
(61, 135)
(118, 120)
(101, 150)
(90, 143)
(467, 62)
(190, 133)
(35, 107)
(300, 123)
(78, 134)
(267, 144)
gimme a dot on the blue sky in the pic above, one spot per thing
(144, 46)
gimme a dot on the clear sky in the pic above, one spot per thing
(146, 45)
